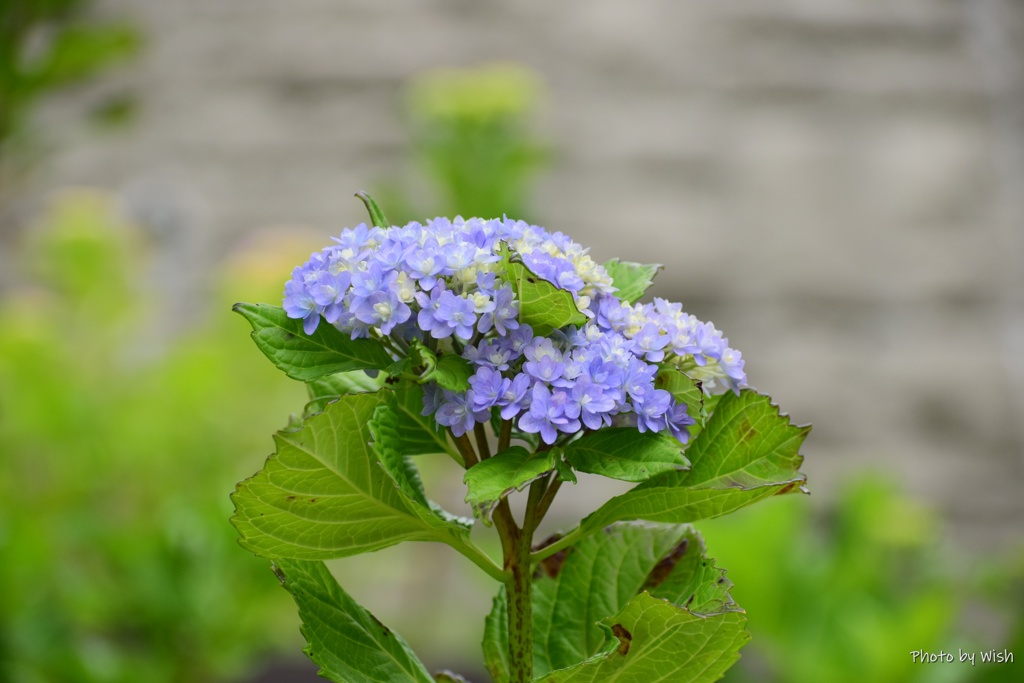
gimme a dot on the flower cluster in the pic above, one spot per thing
(445, 283)
(662, 332)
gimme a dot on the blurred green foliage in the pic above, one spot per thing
(47, 45)
(119, 450)
(848, 597)
(471, 134)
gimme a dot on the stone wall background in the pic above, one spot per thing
(838, 184)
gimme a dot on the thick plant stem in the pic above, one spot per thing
(518, 589)
(520, 610)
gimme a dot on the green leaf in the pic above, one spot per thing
(354, 382)
(399, 367)
(420, 355)
(542, 306)
(327, 492)
(654, 640)
(631, 279)
(491, 480)
(597, 578)
(626, 454)
(495, 643)
(418, 434)
(376, 215)
(563, 468)
(604, 572)
(385, 429)
(708, 409)
(344, 639)
(747, 452)
(309, 357)
(326, 389)
(685, 390)
(449, 677)
(450, 372)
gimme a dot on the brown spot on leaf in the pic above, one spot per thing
(661, 571)
(624, 636)
(747, 431)
(288, 336)
(385, 629)
(312, 500)
(550, 566)
(531, 280)
(791, 486)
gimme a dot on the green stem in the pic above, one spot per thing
(518, 592)
(466, 449)
(531, 518)
(478, 557)
(564, 542)
(481, 442)
(468, 548)
(519, 585)
(554, 483)
(518, 589)
(505, 435)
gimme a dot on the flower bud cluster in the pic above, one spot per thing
(445, 283)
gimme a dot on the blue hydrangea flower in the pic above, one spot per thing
(444, 283)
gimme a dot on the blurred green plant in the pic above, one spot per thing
(48, 45)
(471, 135)
(117, 559)
(850, 599)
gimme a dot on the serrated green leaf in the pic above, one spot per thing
(326, 389)
(542, 306)
(711, 403)
(563, 468)
(747, 452)
(384, 436)
(344, 639)
(631, 279)
(418, 434)
(420, 355)
(451, 372)
(495, 643)
(399, 367)
(626, 454)
(308, 357)
(326, 493)
(596, 579)
(491, 480)
(354, 382)
(377, 217)
(653, 640)
(684, 389)
(385, 429)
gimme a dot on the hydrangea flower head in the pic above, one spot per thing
(447, 285)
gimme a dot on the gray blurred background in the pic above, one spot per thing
(837, 184)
